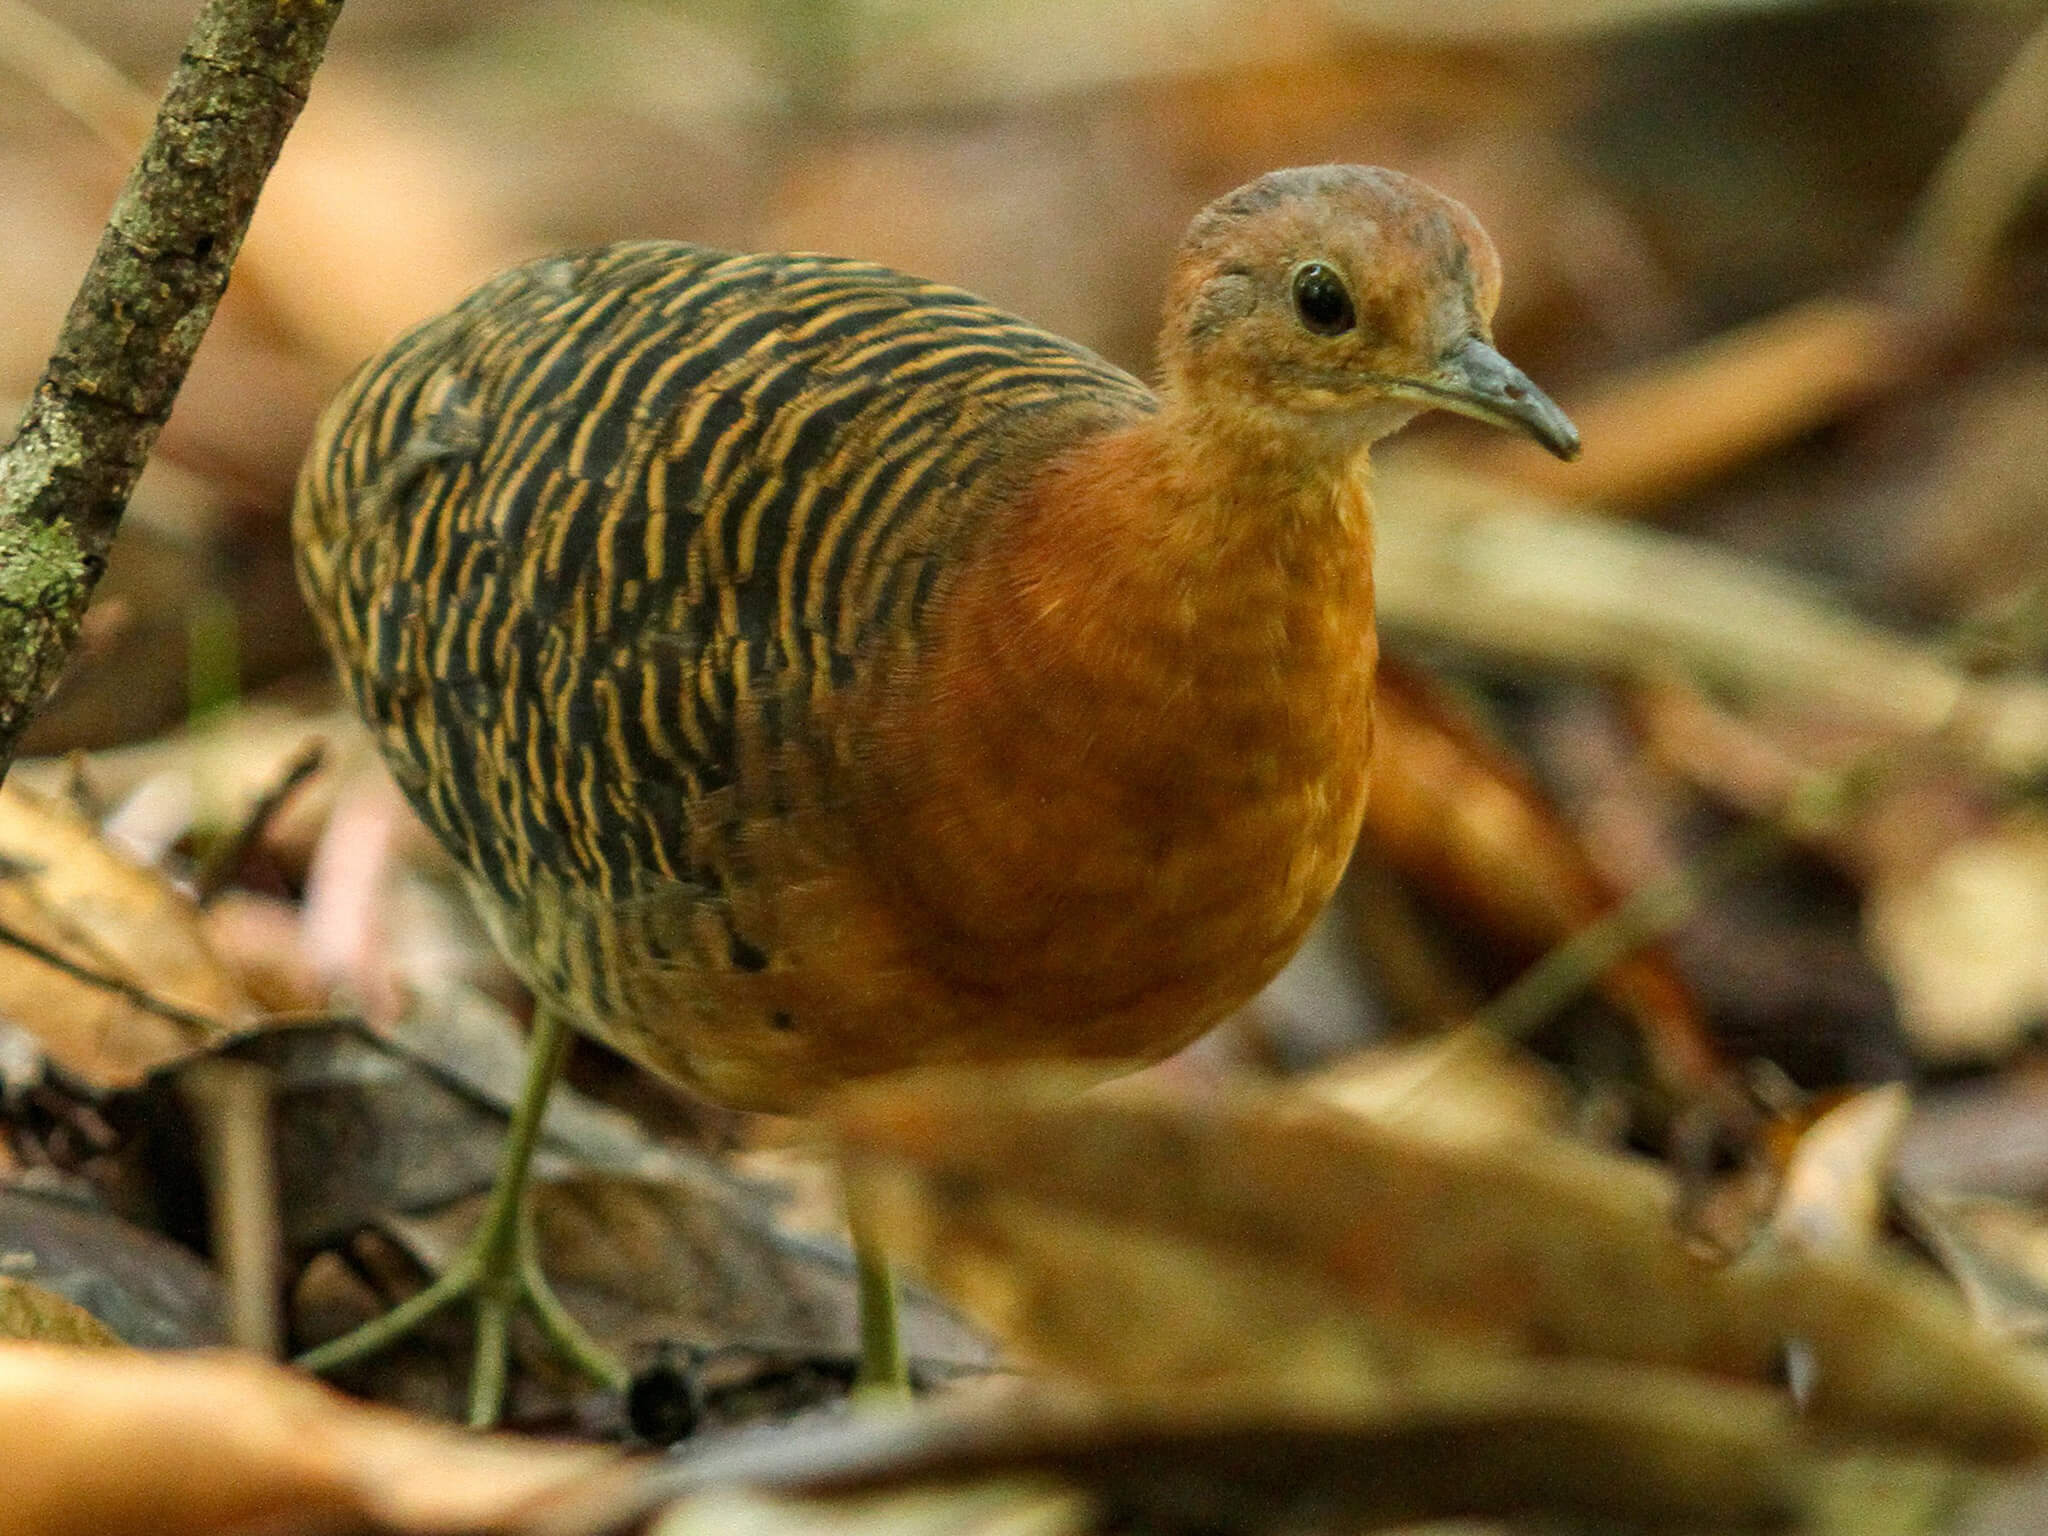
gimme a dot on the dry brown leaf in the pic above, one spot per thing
(1657, 433)
(258, 939)
(64, 888)
(1996, 1250)
(1589, 1447)
(30, 1312)
(109, 1443)
(1987, 1135)
(1964, 941)
(646, 1261)
(1006, 1508)
(1526, 1249)
(227, 762)
(1467, 1083)
(150, 1291)
(1835, 1186)
(1466, 560)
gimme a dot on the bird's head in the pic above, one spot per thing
(1344, 300)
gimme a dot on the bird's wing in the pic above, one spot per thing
(567, 534)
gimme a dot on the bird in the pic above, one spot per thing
(818, 672)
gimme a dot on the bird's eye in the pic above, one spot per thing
(1322, 300)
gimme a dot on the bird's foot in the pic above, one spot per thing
(498, 1272)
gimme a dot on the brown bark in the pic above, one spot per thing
(146, 300)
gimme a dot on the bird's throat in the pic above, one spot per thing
(1177, 608)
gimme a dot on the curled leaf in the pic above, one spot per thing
(103, 1443)
(1583, 1447)
(1836, 1184)
(30, 1312)
(65, 891)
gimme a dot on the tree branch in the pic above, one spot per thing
(146, 300)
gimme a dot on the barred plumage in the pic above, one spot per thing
(573, 534)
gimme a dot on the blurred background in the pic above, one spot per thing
(1778, 258)
(1652, 172)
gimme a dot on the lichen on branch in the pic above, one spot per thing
(124, 348)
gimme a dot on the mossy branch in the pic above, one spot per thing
(146, 300)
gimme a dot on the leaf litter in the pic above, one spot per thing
(1430, 1284)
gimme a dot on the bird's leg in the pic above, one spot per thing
(883, 1372)
(500, 1267)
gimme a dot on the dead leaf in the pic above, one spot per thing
(1837, 1183)
(674, 1265)
(1468, 1083)
(62, 887)
(649, 1243)
(647, 1263)
(1996, 1250)
(147, 1289)
(107, 1443)
(1466, 560)
(362, 1130)
(30, 1312)
(1415, 1244)
(410, 1120)
(1637, 1451)
(1001, 1508)
(258, 939)
(1989, 1135)
(1964, 941)
(227, 762)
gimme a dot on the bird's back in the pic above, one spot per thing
(587, 543)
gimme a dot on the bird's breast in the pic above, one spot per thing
(1128, 769)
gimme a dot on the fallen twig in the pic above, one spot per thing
(227, 861)
(124, 348)
(148, 1001)
(231, 1101)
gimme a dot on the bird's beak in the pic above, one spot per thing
(1477, 381)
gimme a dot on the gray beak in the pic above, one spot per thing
(1478, 381)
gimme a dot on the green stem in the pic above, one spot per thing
(883, 1371)
(1819, 801)
(1650, 911)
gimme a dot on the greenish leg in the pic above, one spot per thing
(499, 1269)
(883, 1373)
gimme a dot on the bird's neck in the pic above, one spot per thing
(1184, 569)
